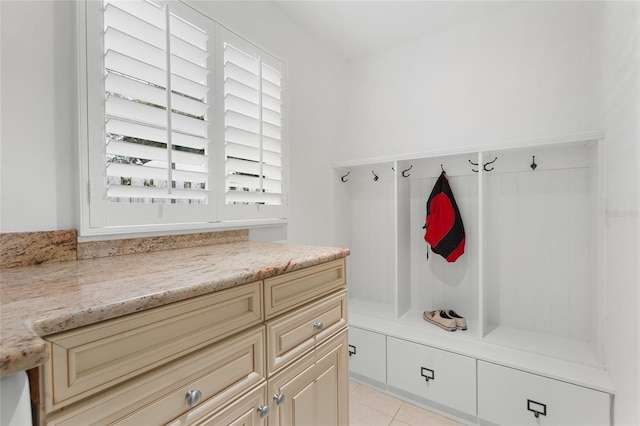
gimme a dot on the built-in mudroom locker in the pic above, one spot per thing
(529, 284)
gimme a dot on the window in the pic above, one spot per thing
(253, 87)
(183, 121)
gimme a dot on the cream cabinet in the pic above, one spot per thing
(294, 333)
(87, 360)
(287, 291)
(313, 390)
(210, 359)
(216, 373)
(307, 365)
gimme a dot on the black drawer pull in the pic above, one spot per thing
(536, 408)
(352, 350)
(427, 373)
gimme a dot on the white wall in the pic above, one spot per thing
(533, 70)
(618, 43)
(521, 73)
(38, 134)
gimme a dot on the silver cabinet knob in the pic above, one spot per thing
(263, 411)
(317, 326)
(279, 399)
(193, 397)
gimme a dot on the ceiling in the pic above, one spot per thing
(354, 28)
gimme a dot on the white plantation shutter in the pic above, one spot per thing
(183, 120)
(252, 120)
(153, 156)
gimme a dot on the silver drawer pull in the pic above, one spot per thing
(536, 408)
(193, 397)
(317, 326)
(263, 411)
(279, 399)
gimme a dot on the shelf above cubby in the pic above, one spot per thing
(490, 147)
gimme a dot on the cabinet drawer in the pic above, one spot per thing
(296, 332)
(220, 372)
(244, 412)
(368, 355)
(293, 289)
(438, 376)
(314, 389)
(508, 396)
(92, 358)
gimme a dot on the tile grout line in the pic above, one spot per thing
(393, 416)
(397, 411)
(402, 403)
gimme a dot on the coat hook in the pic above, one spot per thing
(533, 164)
(442, 168)
(474, 164)
(486, 164)
(343, 177)
(405, 171)
(375, 176)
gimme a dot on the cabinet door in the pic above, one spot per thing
(368, 355)
(508, 396)
(244, 412)
(439, 376)
(313, 390)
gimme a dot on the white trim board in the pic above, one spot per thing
(525, 143)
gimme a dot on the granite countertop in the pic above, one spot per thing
(44, 299)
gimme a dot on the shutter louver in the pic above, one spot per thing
(156, 141)
(253, 137)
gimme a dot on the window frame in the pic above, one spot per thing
(172, 218)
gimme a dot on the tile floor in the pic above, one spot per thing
(369, 407)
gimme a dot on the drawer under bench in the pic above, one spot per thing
(512, 397)
(481, 385)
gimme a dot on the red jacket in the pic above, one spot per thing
(444, 228)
